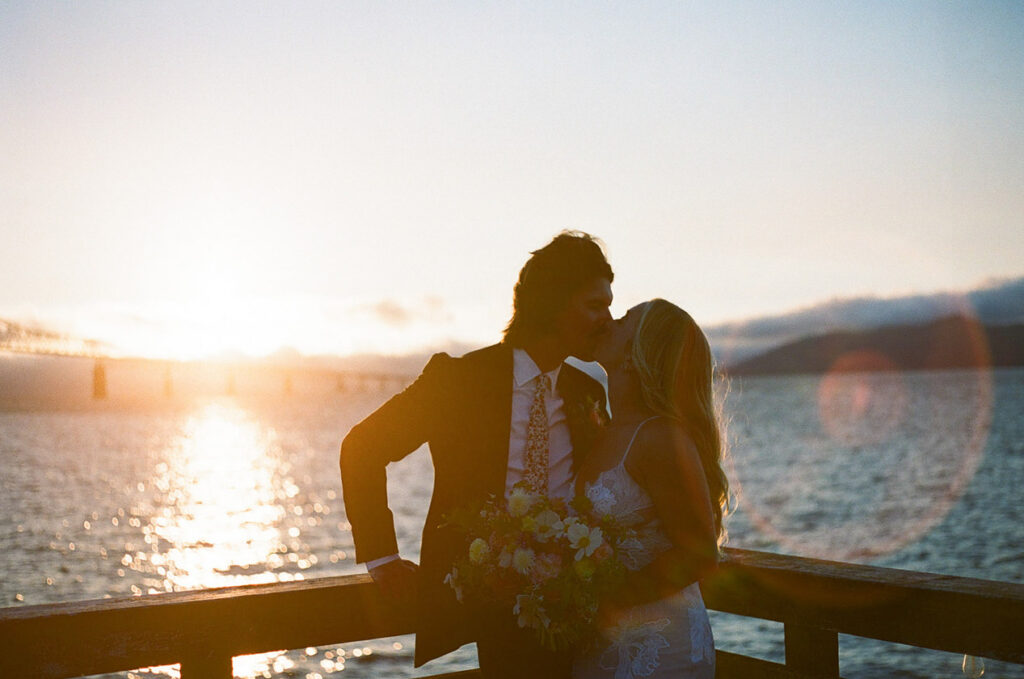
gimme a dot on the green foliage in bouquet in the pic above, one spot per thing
(549, 562)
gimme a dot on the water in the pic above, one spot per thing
(918, 471)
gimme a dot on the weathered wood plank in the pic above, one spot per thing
(941, 612)
(960, 615)
(109, 635)
(209, 665)
(735, 666)
(812, 651)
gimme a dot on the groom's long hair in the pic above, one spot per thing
(549, 279)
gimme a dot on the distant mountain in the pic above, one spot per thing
(997, 303)
(946, 343)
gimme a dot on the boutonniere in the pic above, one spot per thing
(591, 412)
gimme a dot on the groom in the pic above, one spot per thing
(485, 416)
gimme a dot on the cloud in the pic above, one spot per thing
(391, 312)
(431, 310)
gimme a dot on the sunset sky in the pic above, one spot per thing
(183, 179)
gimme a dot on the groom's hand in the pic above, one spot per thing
(396, 579)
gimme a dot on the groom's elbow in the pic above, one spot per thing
(352, 447)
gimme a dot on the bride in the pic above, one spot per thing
(657, 468)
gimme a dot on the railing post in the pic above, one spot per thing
(811, 651)
(210, 665)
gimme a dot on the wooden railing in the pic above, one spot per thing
(815, 600)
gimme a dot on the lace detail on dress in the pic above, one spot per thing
(702, 646)
(667, 638)
(602, 498)
(634, 647)
(615, 492)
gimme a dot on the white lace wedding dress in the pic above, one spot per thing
(670, 637)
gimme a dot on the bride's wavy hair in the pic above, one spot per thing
(676, 371)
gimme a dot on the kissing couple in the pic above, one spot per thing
(516, 413)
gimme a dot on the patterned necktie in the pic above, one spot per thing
(536, 462)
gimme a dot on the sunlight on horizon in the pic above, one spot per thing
(225, 325)
(184, 184)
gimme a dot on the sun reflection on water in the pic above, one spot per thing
(221, 516)
(220, 523)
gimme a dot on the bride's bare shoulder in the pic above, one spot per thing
(662, 443)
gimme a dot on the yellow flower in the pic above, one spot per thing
(479, 550)
(520, 501)
(584, 568)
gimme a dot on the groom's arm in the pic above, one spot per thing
(394, 430)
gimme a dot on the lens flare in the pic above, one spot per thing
(891, 441)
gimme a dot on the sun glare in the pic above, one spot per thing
(221, 323)
(207, 326)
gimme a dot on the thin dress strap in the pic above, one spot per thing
(635, 432)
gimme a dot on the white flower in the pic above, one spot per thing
(530, 612)
(479, 550)
(549, 525)
(583, 539)
(505, 558)
(520, 501)
(523, 560)
(452, 581)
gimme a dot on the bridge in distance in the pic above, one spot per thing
(233, 375)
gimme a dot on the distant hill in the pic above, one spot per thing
(996, 303)
(946, 343)
(21, 338)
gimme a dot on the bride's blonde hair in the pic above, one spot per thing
(676, 373)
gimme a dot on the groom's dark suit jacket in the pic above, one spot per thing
(462, 408)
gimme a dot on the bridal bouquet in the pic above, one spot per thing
(549, 562)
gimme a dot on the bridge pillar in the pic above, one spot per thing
(99, 380)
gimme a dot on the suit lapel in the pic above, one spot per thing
(492, 413)
(495, 412)
(572, 385)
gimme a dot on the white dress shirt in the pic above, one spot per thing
(524, 383)
(525, 374)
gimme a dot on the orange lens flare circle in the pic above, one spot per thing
(856, 409)
(898, 438)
